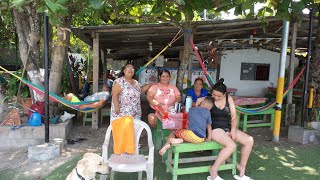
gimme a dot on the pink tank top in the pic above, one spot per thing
(165, 95)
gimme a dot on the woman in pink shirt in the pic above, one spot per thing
(163, 94)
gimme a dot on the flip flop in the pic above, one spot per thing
(244, 177)
(70, 141)
(217, 178)
(80, 139)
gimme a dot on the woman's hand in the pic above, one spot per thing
(233, 134)
(117, 110)
(199, 101)
(146, 87)
(154, 102)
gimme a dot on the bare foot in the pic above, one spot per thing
(241, 170)
(164, 149)
(175, 140)
(213, 173)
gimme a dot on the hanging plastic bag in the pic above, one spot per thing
(35, 119)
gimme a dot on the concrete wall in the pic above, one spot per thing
(231, 67)
(31, 135)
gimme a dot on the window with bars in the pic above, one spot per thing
(255, 71)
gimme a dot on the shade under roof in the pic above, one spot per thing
(130, 41)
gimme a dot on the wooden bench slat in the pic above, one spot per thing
(189, 147)
(197, 159)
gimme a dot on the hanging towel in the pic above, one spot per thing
(123, 135)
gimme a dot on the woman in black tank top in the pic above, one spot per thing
(221, 117)
(226, 133)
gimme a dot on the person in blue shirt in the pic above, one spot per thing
(199, 122)
(197, 91)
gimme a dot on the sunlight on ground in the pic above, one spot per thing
(308, 170)
(286, 164)
(283, 158)
(13, 156)
(291, 152)
(291, 156)
(37, 169)
(263, 156)
(262, 169)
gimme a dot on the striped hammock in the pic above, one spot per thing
(53, 97)
(239, 109)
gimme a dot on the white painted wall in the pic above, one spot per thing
(231, 67)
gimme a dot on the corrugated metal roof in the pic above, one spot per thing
(130, 41)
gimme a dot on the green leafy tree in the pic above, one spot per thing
(28, 20)
(180, 13)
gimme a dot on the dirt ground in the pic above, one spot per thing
(17, 160)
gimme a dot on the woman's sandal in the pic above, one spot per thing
(244, 177)
(217, 178)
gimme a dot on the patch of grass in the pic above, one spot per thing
(285, 162)
(12, 174)
(63, 171)
(267, 162)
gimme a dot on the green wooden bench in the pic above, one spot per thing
(159, 139)
(244, 123)
(172, 165)
(158, 135)
(88, 118)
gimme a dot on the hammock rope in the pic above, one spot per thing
(205, 71)
(239, 109)
(272, 103)
(175, 38)
(53, 97)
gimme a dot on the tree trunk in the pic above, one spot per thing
(186, 56)
(59, 54)
(315, 69)
(28, 30)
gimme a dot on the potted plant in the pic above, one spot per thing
(13, 88)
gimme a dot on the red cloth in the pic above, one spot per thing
(242, 100)
(37, 107)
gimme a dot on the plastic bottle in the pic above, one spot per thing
(188, 103)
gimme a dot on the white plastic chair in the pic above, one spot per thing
(127, 162)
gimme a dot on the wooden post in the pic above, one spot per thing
(185, 60)
(190, 64)
(104, 66)
(95, 73)
(290, 110)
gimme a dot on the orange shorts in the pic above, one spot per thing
(188, 136)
